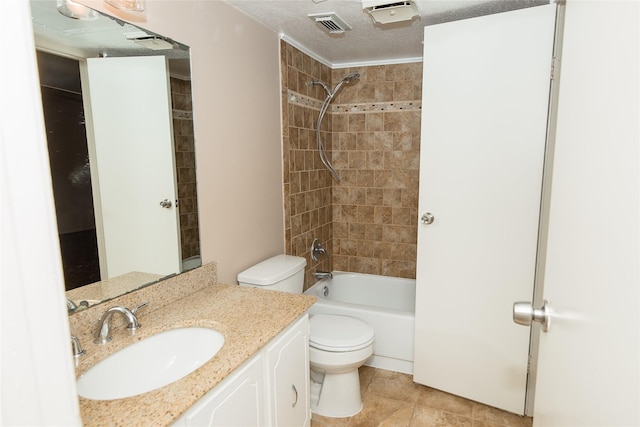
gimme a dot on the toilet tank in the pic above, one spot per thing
(280, 273)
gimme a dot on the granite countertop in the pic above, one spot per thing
(248, 318)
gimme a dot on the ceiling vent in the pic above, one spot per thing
(389, 11)
(330, 22)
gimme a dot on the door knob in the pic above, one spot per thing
(427, 218)
(525, 314)
(166, 203)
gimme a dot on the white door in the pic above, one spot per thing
(589, 361)
(484, 118)
(129, 129)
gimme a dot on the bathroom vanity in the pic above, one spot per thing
(260, 376)
(271, 388)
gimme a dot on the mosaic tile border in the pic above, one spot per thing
(300, 100)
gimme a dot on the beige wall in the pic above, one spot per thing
(236, 95)
(368, 220)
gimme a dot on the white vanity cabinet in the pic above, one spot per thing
(270, 389)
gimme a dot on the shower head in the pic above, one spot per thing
(351, 77)
(346, 79)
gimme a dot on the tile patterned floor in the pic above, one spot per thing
(392, 399)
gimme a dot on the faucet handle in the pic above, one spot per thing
(317, 249)
(144, 304)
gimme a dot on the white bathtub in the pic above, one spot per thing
(386, 303)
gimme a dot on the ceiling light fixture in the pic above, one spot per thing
(73, 10)
(128, 5)
(389, 11)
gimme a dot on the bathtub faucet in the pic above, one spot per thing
(323, 275)
(317, 250)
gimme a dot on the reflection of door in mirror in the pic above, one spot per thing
(129, 129)
(77, 177)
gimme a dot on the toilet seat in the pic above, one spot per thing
(336, 333)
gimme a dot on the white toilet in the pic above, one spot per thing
(338, 345)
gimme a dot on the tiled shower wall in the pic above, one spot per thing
(376, 150)
(185, 165)
(307, 184)
(368, 220)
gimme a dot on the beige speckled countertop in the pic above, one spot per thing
(248, 318)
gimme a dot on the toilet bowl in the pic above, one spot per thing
(338, 345)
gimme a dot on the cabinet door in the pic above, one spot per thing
(288, 365)
(239, 401)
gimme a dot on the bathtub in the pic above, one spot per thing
(386, 303)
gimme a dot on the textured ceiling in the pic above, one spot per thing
(367, 42)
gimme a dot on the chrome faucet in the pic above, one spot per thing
(323, 275)
(103, 332)
(317, 250)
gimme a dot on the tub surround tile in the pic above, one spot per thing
(372, 135)
(248, 318)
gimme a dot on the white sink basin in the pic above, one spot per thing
(150, 364)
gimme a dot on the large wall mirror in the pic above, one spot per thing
(119, 122)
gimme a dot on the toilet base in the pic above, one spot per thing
(339, 395)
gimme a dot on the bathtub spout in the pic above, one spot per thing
(323, 275)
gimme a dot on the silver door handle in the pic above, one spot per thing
(427, 218)
(525, 314)
(166, 203)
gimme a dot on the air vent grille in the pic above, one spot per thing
(330, 22)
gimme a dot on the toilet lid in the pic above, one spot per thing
(332, 332)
